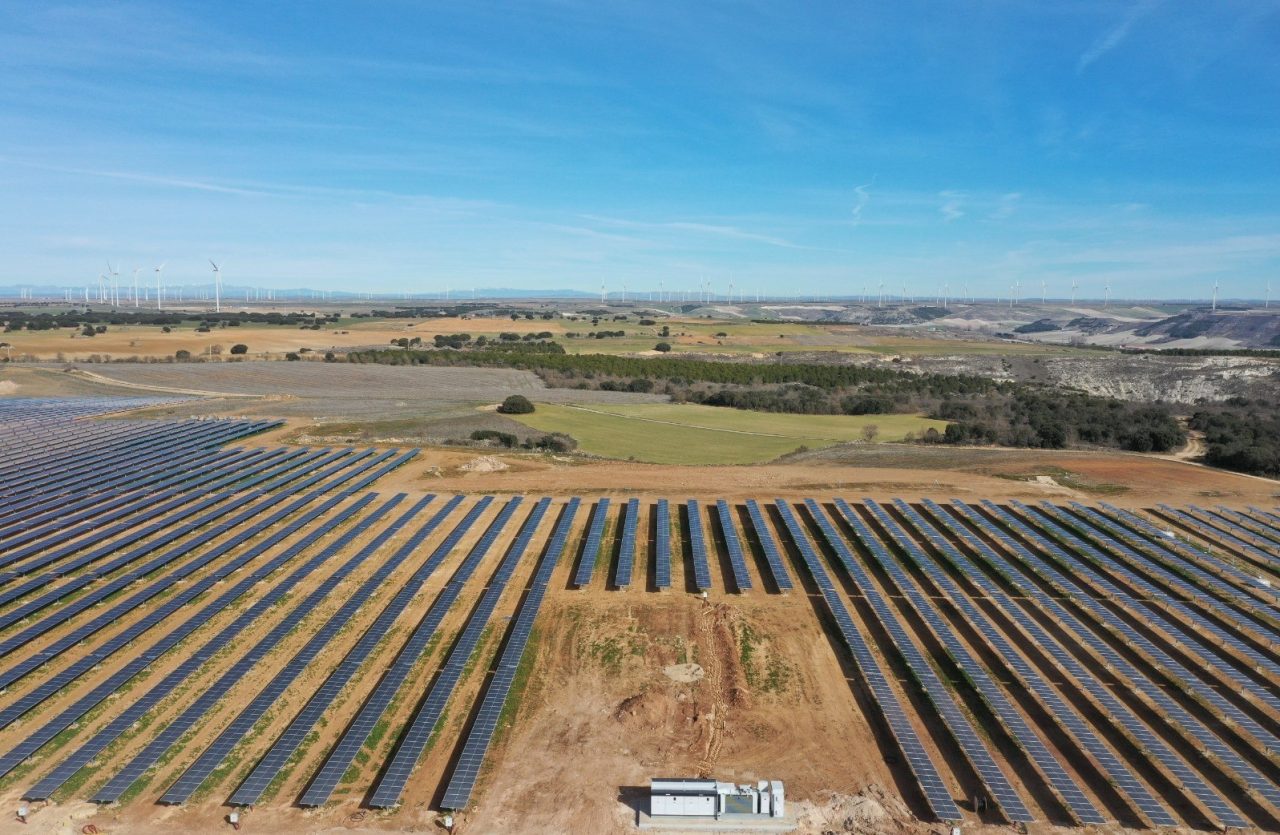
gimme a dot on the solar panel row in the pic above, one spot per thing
(698, 547)
(591, 545)
(662, 546)
(741, 578)
(767, 544)
(627, 548)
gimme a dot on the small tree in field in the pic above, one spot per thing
(239, 348)
(516, 404)
(870, 432)
(662, 347)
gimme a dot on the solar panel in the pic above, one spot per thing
(461, 782)
(767, 544)
(741, 578)
(662, 546)
(698, 545)
(627, 549)
(591, 545)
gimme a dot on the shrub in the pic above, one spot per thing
(662, 347)
(239, 348)
(292, 357)
(516, 404)
(182, 356)
(505, 439)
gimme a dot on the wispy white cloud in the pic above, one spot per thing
(1117, 34)
(950, 207)
(1006, 206)
(863, 198)
(709, 229)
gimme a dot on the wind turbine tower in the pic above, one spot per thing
(160, 286)
(1215, 296)
(217, 287)
(136, 270)
(1074, 285)
(1043, 291)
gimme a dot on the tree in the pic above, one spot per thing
(292, 357)
(662, 347)
(516, 404)
(88, 331)
(870, 432)
(182, 356)
(239, 348)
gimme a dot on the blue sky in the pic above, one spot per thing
(786, 147)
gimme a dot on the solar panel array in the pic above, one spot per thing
(698, 547)
(136, 555)
(340, 758)
(1066, 788)
(772, 556)
(972, 743)
(1161, 754)
(463, 778)
(627, 548)
(1056, 705)
(591, 545)
(210, 695)
(662, 545)
(925, 771)
(741, 577)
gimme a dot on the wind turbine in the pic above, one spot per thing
(114, 296)
(1266, 305)
(136, 270)
(1074, 285)
(602, 292)
(1106, 299)
(946, 292)
(1215, 295)
(217, 287)
(880, 303)
(1042, 291)
(160, 286)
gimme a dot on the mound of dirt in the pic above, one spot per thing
(484, 464)
(684, 673)
(872, 810)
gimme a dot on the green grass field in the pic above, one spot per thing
(663, 433)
